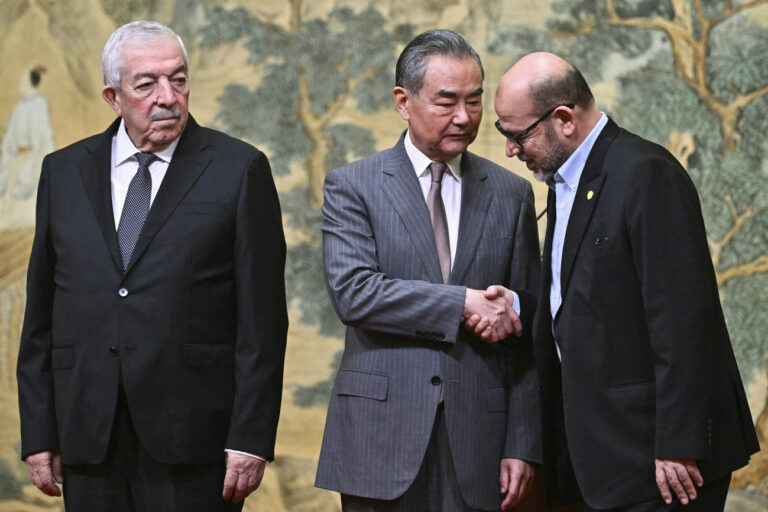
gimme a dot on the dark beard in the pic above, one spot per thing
(557, 154)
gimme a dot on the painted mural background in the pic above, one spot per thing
(310, 81)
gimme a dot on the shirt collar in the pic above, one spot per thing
(125, 149)
(570, 171)
(421, 162)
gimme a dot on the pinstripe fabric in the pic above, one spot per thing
(383, 275)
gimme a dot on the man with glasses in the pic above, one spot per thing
(151, 358)
(641, 397)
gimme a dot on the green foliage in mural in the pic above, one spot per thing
(696, 84)
(310, 71)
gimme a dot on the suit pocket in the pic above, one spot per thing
(498, 398)
(62, 358)
(364, 384)
(207, 354)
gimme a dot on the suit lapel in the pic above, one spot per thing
(402, 188)
(587, 196)
(96, 175)
(475, 200)
(187, 164)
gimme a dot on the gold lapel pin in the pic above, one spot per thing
(590, 195)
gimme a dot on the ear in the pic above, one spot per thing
(110, 96)
(401, 101)
(565, 118)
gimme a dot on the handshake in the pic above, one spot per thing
(489, 314)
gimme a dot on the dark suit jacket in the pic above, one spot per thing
(648, 370)
(196, 325)
(404, 338)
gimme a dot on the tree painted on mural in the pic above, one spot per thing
(697, 83)
(310, 71)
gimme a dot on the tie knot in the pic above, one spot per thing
(438, 170)
(145, 159)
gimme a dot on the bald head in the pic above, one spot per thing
(545, 111)
(542, 80)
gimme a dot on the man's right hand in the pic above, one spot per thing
(45, 471)
(489, 315)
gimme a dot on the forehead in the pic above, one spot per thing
(513, 106)
(158, 55)
(451, 74)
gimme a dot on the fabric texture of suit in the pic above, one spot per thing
(647, 366)
(404, 341)
(195, 327)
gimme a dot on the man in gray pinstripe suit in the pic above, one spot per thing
(424, 415)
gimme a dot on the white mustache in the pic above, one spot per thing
(165, 114)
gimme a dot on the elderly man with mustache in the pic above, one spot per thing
(151, 358)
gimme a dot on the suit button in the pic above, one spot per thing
(113, 351)
(122, 292)
(436, 381)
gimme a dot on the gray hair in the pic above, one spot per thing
(136, 32)
(412, 63)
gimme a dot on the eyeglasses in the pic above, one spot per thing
(148, 86)
(517, 138)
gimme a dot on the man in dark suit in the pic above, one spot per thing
(640, 388)
(151, 359)
(423, 415)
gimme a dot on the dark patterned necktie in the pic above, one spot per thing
(439, 221)
(135, 208)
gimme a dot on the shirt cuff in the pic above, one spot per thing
(246, 453)
(516, 303)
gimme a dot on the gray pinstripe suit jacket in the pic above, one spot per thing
(403, 329)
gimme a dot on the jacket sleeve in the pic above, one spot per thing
(367, 298)
(262, 319)
(677, 281)
(35, 377)
(523, 439)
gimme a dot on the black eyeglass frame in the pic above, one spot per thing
(516, 138)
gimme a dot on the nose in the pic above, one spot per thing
(512, 149)
(164, 93)
(460, 115)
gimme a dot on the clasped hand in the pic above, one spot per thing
(489, 314)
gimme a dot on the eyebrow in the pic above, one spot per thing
(453, 94)
(179, 69)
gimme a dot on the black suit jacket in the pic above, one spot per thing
(196, 325)
(647, 366)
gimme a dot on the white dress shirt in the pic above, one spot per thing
(450, 192)
(124, 167)
(566, 182)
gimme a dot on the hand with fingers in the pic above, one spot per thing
(243, 476)
(45, 471)
(515, 479)
(497, 319)
(678, 476)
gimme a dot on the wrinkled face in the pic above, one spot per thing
(154, 98)
(444, 118)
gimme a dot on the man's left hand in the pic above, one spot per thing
(515, 479)
(243, 476)
(678, 475)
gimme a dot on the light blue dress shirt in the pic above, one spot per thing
(565, 183)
